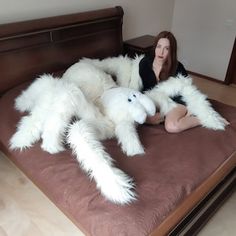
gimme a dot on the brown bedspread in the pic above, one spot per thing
(173, 166)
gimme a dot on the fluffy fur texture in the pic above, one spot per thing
(91, 80)
(126, 71)
(196, 101)
(108, 111)
(51, 103)
(125, 107)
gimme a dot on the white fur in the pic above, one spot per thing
(52, 102)
(114, 184)
(124, 107)
(50, 111)
(196, 101)
(91, 80)
(126, 71)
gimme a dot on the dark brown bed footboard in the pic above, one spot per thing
(192, 223)
(190, 216)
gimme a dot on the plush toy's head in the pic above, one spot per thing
(124, 104)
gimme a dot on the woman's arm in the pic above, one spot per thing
(154, 120)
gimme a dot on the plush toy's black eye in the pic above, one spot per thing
(134, 95)
(129, 100)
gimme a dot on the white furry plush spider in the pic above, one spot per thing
(108, 111)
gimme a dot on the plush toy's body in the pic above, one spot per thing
(109, 111)
(112, 101)
(126, 71)
(51, 104)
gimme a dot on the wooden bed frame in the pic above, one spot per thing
(49, 45)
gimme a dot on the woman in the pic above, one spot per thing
(144, 73)
(158, 67)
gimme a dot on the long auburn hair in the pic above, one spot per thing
(170, 66)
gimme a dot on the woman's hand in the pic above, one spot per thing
(154, 120)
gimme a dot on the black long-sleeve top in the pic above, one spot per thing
(149, 78)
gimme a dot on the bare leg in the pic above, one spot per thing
(178, 119)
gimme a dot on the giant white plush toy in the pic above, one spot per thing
(126, 71)
(108, 111)
(124, 107)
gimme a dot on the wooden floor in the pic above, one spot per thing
(217, 91)
(25, 211)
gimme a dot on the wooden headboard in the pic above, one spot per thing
(30, 48)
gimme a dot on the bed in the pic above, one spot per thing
(180, 181)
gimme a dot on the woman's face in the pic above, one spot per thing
(162, 50)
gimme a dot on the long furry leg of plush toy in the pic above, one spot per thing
(113, 183)
(198, 105)
(128, 139)
(53, 133)
(28, 132)
(196, 101)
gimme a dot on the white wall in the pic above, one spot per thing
(205, 30)
(141, 17)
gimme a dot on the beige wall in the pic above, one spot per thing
(141, 17)
(205, 30)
